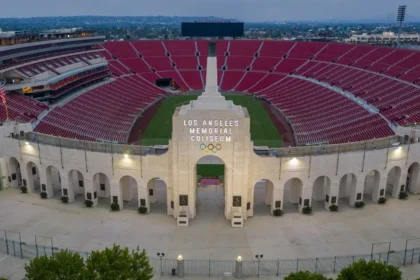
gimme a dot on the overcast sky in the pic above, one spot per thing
(245, 10)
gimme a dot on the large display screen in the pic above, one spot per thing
(212, 29)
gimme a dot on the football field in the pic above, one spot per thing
(263, 131)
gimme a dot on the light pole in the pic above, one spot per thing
(259, 258)
(161, 255)
(400, 19)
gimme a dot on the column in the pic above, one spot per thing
(402, 184)
(47, 182)
(143, 195)
(151, 191)
(25, 180)
(116, 194)
(66, 189)
(331, 194)
(269, 189)
(357, 186)
(306, 197)
(379, 190)
(91, 192)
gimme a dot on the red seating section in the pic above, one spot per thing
(295, 76)
(22, 108)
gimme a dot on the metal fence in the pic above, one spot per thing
(382, 143)
(12, 244)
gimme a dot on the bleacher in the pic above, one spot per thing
(22, 108)
(388, 79)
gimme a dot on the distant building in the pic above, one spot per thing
(386, 38)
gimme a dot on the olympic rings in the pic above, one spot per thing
(211, 147)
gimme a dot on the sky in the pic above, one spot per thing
(244, 10)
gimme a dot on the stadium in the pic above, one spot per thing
(241, 128)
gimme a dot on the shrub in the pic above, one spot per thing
(88, 203)
(333, 208)
(142, 210)
(382, 200)
(115, 206)
(403, 195)
(43, 195)
(23, 190)
(371, 270)
(359, 204)
(307, 210)
(278, 212)
(306, 275)
(65, 199)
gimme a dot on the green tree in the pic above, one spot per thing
(306, 275)
(372, 270)
(118, 264)
(63, 265)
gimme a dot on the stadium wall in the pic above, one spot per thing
(373, 170)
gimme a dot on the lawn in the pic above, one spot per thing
(263, 131)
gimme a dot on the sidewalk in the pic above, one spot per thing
(12, 268)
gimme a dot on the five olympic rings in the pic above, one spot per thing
(211, 147)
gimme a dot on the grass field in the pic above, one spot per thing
(263, 131)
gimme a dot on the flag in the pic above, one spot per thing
(2, 93)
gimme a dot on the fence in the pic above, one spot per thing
(322, 149)
(12, 244)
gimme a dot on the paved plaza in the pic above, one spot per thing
(210, 235)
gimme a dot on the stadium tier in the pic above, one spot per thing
(315, 85)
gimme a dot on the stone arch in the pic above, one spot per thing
(15, 175)
(34, 180)
(320, 189)
(128, 191)
(372, 186)
(211, 194)
(347, 188)
(158, 196)
(262, 197)
(292, 195)
(393, 182)
(76, 187)
(101, 189)
(53, 186)
(412, 181)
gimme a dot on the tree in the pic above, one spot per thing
(64, 265)
(118, 264)
(306, 275)
(371, 270)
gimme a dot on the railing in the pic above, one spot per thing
(13, 244)
(382, 143)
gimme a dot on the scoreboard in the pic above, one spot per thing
(212, 29)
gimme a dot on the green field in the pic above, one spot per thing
(211, 170)
(263, 131)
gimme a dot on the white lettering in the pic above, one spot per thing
(230, 131)
(185, 123)
(211, 138)
(195, 123)
(210, 130)
(210, 123)
(216, 123)
(231, 123)
(225, 131)
(204, 131)
(227, 139)
(216, 130)
(198, 130)
(193, 138)
(204, 123)
(192, 130)
(216, 138)
(236, 123)
(221, 138)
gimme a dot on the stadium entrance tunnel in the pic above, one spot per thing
(127, 197)
(210, 192)
(262, 198)
(371, 191)
(76, 189)
(412, 182)
(347, 190)
(393, 182)
(33, 179)
(157, 193)
(292, 196)
(100, 191)
(321, 189)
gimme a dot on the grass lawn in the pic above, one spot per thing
(263, 131)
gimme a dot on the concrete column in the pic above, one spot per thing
(402, 182)
(278, 194)
(65, 185)
(151, 191)
(269, 189)
(47, 182)
(376, 192)
(305, 197)
(332, 193)
(25, 181)
(90, 189)
(116, 191)
(143, 194)
(357, 186)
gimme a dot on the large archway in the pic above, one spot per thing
(129, 193)
(412, 182)
(347, 190)
(371, 187)
(76, 186)
(34, 182)
(292, 195)
(101, 189)
(263, 196)
(210, 193)
(15, 175)
(158, 196)
(320, 189)
(53, 187)
(393, 182)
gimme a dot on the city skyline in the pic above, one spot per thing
(244, 10)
